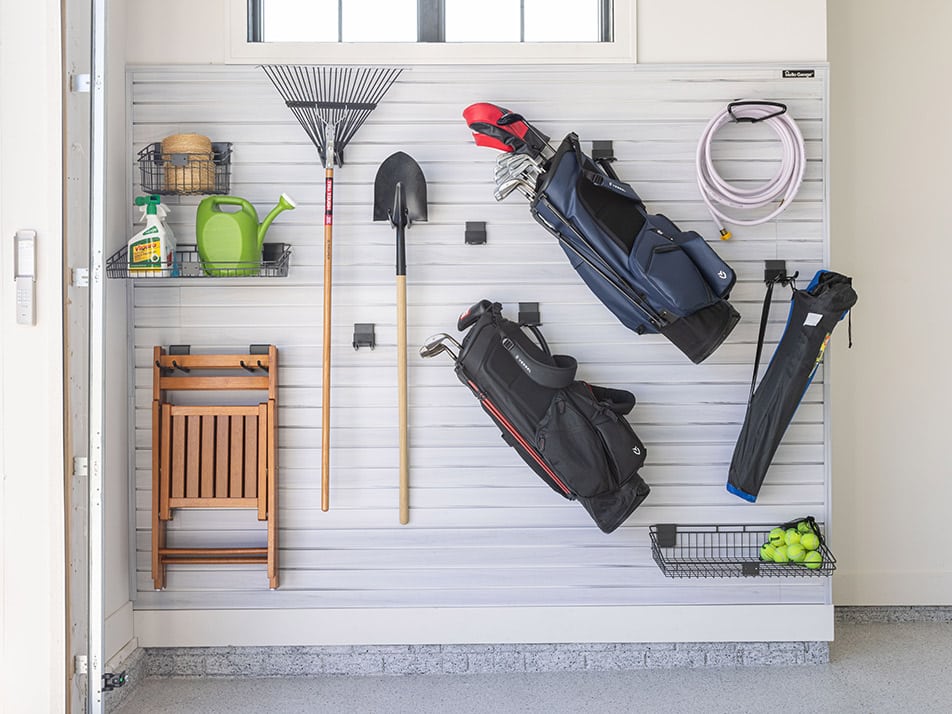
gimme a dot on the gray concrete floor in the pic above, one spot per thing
(874, 668)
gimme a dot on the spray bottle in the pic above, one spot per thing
(152, 250)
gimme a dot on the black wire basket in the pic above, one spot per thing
(727, 551)
(178, 174)
(274, 263)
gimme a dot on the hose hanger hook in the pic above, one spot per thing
(780, 107)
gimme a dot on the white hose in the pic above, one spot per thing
(717, 192)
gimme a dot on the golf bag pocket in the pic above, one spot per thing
(718, 274)
(678, 284)
(572, 434)
(584, 437)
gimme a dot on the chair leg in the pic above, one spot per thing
(158, 542)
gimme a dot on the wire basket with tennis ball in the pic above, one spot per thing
(185, 164)
(742, 550)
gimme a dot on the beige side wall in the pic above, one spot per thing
(890, 158)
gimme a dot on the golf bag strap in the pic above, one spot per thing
(555, 376)
(760, 339)
(785, 280)
(622, 189)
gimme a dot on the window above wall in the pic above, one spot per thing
(432, 31)
(430, 21)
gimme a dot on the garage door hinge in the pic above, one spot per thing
(80, 466)
(79, 83)
(79, 277)
(80, 664)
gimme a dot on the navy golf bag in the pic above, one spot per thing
(654, 277)
(814, 312)
(574, 435)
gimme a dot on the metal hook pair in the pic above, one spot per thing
(175, 366)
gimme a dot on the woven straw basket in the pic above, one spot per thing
(198, 173)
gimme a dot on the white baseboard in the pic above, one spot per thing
(701, 623)
(119, 631)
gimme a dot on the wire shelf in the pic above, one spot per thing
(184, 174)
(274, 263)
(726, 551)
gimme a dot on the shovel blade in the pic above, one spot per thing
(400, 168)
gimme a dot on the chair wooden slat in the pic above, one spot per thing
(237, 458)
(193, 448)
(178, 457)
(222, 454)
(207, 459)
(262, 461)
(251, 457)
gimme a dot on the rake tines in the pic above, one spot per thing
(332, 98)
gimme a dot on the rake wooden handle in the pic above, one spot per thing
(402, 398)
(326, 360)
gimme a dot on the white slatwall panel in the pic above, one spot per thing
(484, 530)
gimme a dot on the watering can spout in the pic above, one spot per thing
(285, 203)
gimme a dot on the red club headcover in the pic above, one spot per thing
(495, 127)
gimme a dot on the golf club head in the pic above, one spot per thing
(506, 187)
(515, 165)
(435, 344)
(428, 350)
(502, 192)
(443, 337)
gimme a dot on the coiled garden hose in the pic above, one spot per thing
(718, 193)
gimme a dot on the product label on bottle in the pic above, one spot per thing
(145, 253)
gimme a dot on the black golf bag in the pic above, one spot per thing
(574, 435)
(654, 277)
(814, 312)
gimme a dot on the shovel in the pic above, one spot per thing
(400, 197)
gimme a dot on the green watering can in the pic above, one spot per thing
(229, 242)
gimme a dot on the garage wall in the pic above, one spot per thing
(484, 533)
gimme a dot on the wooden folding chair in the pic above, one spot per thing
(214, 456)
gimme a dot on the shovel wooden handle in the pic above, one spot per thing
(326, 359)
(402, 398)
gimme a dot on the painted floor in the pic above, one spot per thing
(892, 668)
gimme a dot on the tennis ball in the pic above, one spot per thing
(810, 541)
(776, 537)
(796, 552)
(813, 559)
(791, 536)
(767, 552)
(804, 527)
(780, 554)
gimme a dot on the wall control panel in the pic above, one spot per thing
(25, 274)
